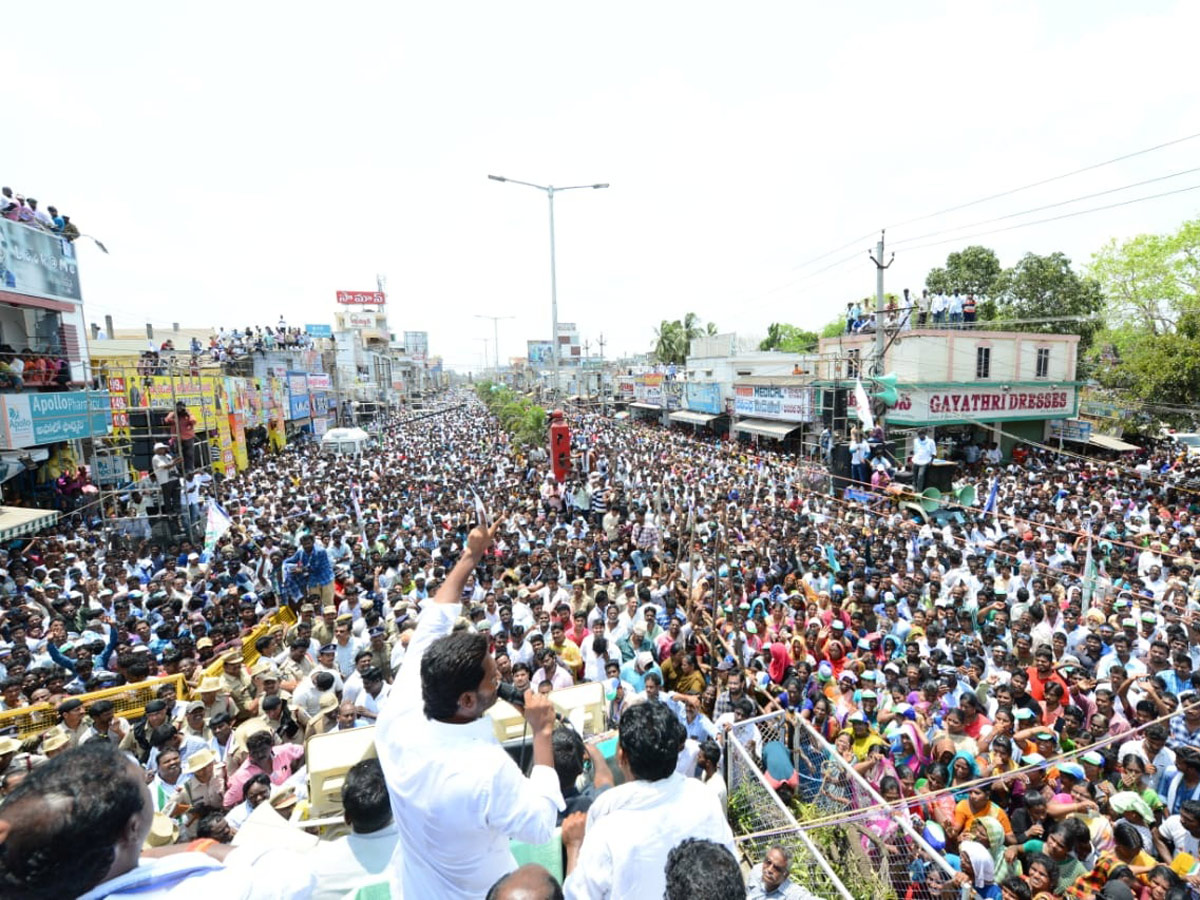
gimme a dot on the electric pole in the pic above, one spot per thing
(495, 337)
(880, 336)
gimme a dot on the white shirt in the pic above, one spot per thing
(1172, 829)
(630, 830)
(248, 872)
(456, 794)
(354, 861)
(924, 450)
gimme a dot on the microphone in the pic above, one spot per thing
(510, 694)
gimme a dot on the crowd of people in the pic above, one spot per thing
(19, 208)
(1022, 685)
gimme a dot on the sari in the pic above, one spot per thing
(995, 844)
(969, 759)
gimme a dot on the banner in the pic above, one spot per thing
(787, 403)
(416, 344)
(319, 331)
(968, 402)
(1070, 430)
(218, 522)
(319, 381)
(37, 263)
(704, 397)
(862, 406)
(539, 353)
(373, 298)
(33, 419)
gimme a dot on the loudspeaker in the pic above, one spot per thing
(146, 428)
(833, 407)
(839, 469)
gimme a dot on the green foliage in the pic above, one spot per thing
(524, 421)
(672, 340)
(1153, 280)
(1154, 368)
(972, 270)
(834, 328)
(789, 339)
(1044, 287)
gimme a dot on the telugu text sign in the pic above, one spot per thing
(769, 401)
(362, 298)
(985, 404)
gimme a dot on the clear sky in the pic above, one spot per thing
(247, 160)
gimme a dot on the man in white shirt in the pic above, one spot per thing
(631, 828)
(361, 858)
(924, 450)
(457, 796)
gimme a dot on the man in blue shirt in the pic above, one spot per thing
(310, 572)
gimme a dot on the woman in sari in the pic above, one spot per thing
(977, 869)
(989, 832)
(911, 747)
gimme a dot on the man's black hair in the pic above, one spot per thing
(553, 889)
(365, 797)
(65, 848)
(651, 736)
(568, 756)
(452, 666)
(703, 870)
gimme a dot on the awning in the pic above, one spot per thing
(16, 521)
(37, 302)
(652, 406)
(1111, 443)
(763, 428)
(692, 418)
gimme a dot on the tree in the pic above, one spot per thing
(1046, 287)
(789, 339)
(1152, 280)
(673, 339)
(711, 329)
(835, 328)
(972, 270)
(1157, 368)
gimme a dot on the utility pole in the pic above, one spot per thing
(495, 337)
(880, 336)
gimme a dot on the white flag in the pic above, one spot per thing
(863, 406)
(218, 523)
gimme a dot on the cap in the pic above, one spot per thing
(199, 759)
(194, 706)
(68, 705)
(156, 706)
(1075, 770)
(327, 648)
(328, 702)
(210, 684)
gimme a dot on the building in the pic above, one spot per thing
(49, 410)
(987, 386)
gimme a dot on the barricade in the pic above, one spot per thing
(760, 820)
(129, 699)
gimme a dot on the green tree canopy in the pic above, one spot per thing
(789, 339)
(972, 270)
(1047, 287)
(673, 339)
(1151, 281)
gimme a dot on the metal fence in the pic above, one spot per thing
(894, 851)
(761, 821)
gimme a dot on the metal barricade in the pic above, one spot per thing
(129, 699)
(884, 835)
(760, 820)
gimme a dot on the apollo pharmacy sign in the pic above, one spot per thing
(967, 403)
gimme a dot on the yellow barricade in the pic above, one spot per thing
(129, 699)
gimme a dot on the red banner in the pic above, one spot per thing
(373, 298)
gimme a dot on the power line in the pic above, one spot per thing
(1034, 184)
(1025, 212)
(1082, 212)
(809, 262)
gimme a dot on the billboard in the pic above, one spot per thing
(704, 397)
(319, 381)
(416, 343)
(30, 420)
(364, 298)
(771, 401)
(298, 404)
(37, 263)
(319, 331)
(539, 353)
(360, 320)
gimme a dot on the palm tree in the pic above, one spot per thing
(669, 342)
(711, 329)
(774, 337)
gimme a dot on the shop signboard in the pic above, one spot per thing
(319, 381)
(704, 397)
(364, 298)
(37, 263)
(319, 331)
(625, 387)
(31, 420)
(978, 403)
(320, 404)
(1070, 430)
(298, 403)
(787, 403)
(648, 389)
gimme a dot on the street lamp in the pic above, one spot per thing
(550, 190)
(495, 335)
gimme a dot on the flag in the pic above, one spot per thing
(832, 557)
(1089, 575)
(990, 505)
(862, 405)
(218, 523)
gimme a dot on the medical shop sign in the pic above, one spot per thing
(787, 403)
(969, 403)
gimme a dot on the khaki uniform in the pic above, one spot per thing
(241, 691)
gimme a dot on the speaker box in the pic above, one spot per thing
(840, 468)
(833, 408)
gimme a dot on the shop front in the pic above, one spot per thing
(962, 416)
(779, 410)
(703, 408)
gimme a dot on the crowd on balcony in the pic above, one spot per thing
(43, 371)
(936, 310)
(27, 211)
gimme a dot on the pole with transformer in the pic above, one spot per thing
(880, 335)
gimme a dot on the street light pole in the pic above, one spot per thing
(550, 191)
(495, 335)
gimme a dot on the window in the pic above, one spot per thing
(852, 361)
(983, 362)
(1043, 363)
